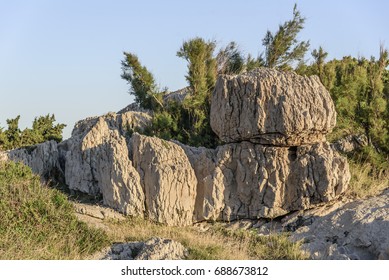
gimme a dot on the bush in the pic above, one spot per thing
(43, 129)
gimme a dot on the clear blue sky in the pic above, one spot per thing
(63, 57)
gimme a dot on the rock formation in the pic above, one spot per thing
(167, 178)
(246, 180)
(42, 158)
(268, 106)
(96, 161)
(276, 159)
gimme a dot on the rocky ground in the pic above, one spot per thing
(343, 229)
(153, 249)
(274, 172)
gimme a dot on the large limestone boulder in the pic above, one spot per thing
(356, 230)
(245, 180)
(41, 158)
(167, 178)
(268, 106)
(96, 161)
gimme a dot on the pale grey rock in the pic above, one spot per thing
(134, 107)
(153, 249)
(167, 178)
(162, 249)
(350, 143)
(97, 211)
(356, 230)
(120, 251)
(177, 96)
(41, 158)
(251, 181)
(240, 225)
(96, 161)
(271, 107)
(209, 190)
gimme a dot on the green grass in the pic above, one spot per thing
(38, 222)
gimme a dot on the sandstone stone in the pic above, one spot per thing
(41, 158)
(167, 178)
(162, 249)
(96, 161)
(268, 106)
(244, 180)
(357, 230)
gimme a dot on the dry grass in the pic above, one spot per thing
(367, 179)
(215, 243)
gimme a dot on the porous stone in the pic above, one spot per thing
(247, 180)
(167, 178)
(271, 107)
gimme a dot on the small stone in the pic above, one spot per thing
(162, 249)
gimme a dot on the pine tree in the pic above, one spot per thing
(283, 48)
(201, 64)
(230, 60)
(371, 102)
(142, 82)
(320, 56)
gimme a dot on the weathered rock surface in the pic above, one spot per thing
(245, 180)
(97, 211)
(350, 143)
(41, 158)
(280, 161)
(268, 106)
(96, 160)
(153, 249)
(356, 230)
(120, 251)
(167, 178)
(162, 249)
(177, 96)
